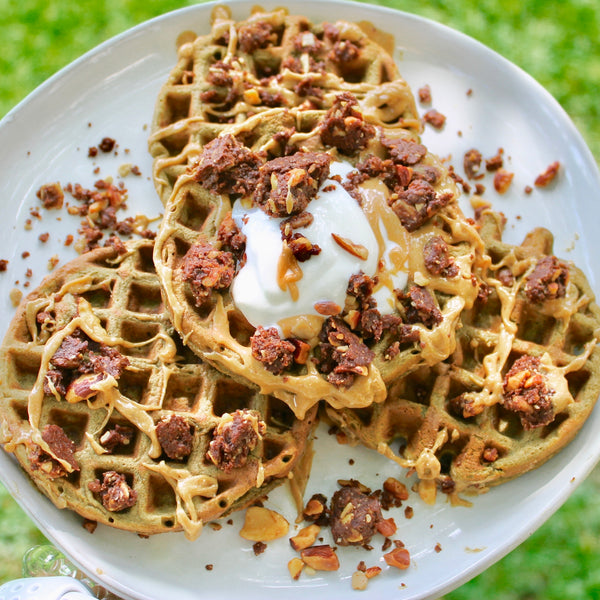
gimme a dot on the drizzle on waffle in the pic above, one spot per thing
(523, 379)
(270, 60)
(114, 418)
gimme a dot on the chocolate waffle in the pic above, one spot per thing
(111, 415)
(521, 383)
(410, 202)
(270, 60)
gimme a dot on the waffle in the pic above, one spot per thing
(270, 60)
(221, 333)
(459, 424)
(148, 440)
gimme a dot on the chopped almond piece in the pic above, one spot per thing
(372, 572)
(316, 508)
(305, 537)
(349, 246)
(548, 175)
(295, 567)
(398, 557)
(387, 527)
(327, 308)
(395, 488)
(263, 525)
(502, 180)
(320, 558)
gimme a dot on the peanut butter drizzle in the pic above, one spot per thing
(492, 391)
(385, 226)
(186, 487)
(107, 393)
(238, 359)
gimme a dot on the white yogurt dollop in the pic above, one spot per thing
(325, 276)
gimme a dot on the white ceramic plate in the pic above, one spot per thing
(110, 92)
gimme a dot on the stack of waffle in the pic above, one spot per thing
(137, 392)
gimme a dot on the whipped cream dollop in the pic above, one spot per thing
(256, 290)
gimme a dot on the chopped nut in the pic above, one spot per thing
(124, 169)
(359, 580)
(305, 537)
(398, 557)
(316, 510)
(51, 195)
(548, 175)
(372, 572)
(387, 527)
(263, 525)
(396, 488)
(502, 180)
(52, 262)
(350, 247)
(321, 558)
(327, 308)
(295, 567)
(361, 487)
(251, 96)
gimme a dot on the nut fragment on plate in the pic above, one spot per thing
(321, 558)
(295, 567)
(398, 557)
(306, 537)
(263, 525)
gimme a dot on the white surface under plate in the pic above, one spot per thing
(110, 92)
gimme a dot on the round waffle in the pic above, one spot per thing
(270, 60)
(521, 383)
(433, 244)
(114, 418)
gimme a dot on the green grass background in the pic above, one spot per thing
(557, 42)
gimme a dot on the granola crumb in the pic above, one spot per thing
(502, 180)
(425, 94)
(90, 525)
(544, 179)
(259, 548)
(52, 262)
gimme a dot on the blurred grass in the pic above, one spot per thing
(556, 42)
